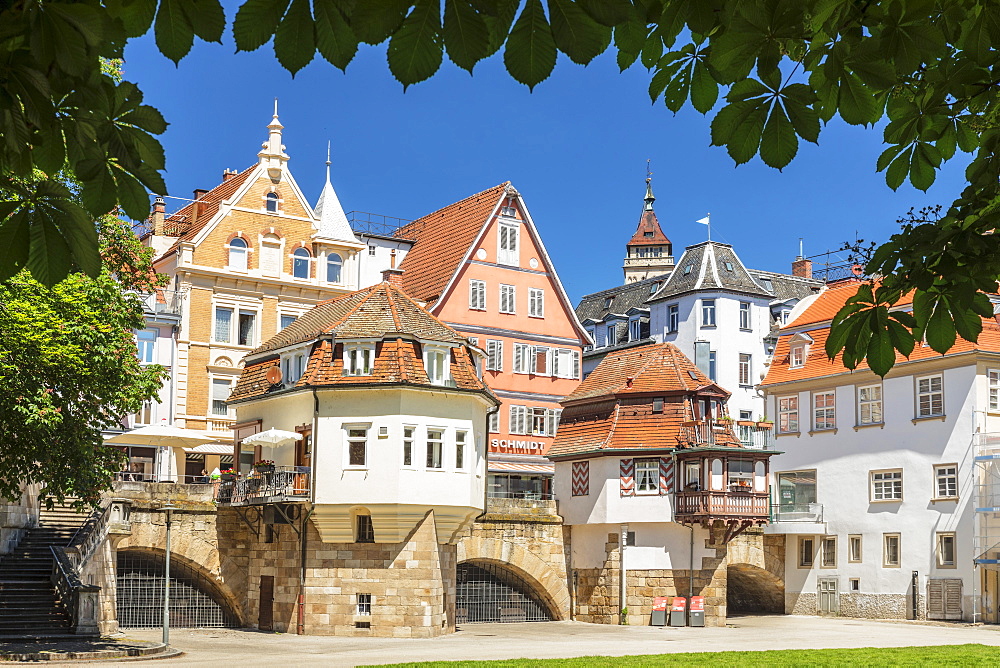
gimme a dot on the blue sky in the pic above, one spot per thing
(576, 149)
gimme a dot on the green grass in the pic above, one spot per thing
(942, 655)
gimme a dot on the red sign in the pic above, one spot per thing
(697, 604)
(679, 604)
(660, 604)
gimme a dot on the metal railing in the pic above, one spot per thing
(128, 476)
(364, 222)
(730, 504)
(519, 494)
(758, 438)
(708, 433)
(284, 483)
(797, 512)
(68, 562)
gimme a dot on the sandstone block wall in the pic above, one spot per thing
(16, 517)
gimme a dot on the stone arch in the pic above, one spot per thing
(545, 582)
(206, 580)
(751, 589)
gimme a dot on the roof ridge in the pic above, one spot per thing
(352, 311)
(649, 360)
(464, 199)
(614, 424)
(392, 307)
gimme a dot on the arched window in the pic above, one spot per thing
(272, 202)
(238, 254)
(300, 263)
(334, 263)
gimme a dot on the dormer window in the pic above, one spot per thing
(647, 234)
(687, 269)
(797, 356)
(728, 266)
(271, 202)
(238, 254)
(293, 366)
(358, 359)
(334, 263)
(436, 364)
(507, 243)
(300, 263)
(607, 302)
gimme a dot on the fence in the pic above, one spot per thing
(284, 483)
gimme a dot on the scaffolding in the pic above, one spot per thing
(986, 455)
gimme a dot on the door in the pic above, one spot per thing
(991, 587)
(303, 459)
(265, 616)
(944, 598)
(828, 596)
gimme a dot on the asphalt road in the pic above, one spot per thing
(237, 649)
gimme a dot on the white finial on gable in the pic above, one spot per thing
(333, 222)
(272, 155)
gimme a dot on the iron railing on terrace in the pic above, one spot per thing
(797, 512)
(284, 483)
(758, 438)
(364, 222)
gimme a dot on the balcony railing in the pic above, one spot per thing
(284, 483)
(698, 433)
(752, 436)
(723, 505)
(163, 301)
(797, 512)
(220, 424)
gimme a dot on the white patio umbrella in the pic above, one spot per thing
(272, 437)
(162, 435)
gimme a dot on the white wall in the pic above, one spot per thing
(843, 460)
(373, 265)
(658, 545)
(726, 339)
(605, 504)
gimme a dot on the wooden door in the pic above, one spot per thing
(828, 596)
(990, 600)
(944, 598)
(265, 615)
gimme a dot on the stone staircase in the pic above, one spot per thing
(29, 607)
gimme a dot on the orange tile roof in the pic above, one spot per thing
(442, 240)
(815, 323)
(377, 312)
(180, 223)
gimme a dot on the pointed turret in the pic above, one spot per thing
(649, 251)
(272, 155)
(332, 219)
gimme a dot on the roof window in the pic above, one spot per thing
(654, 287)
(728, 266)
(687, 269)
(647, 234)
(607, 301)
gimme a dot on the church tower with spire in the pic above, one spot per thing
(649, 252)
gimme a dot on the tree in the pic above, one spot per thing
(68, 369)
(773, 72)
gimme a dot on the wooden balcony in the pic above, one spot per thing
(707, 506)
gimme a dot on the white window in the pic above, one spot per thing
(371, 250)
(507, 298)
(946, 549)
(930, 396)
(518, 418)
(566, 363)
(358, 359)
(300, 263)
(553, 420)
(246, 332)
(611, 338)
(222, 333)
(292, 367)
(890, 549)
(797, 356)
(477, 294)
(407, 446)
(855, 584)
(460, 450)
(146, 414)
(507, 244)
(271, 202)
(364, 602)
(334, 264)
(284, 320)
(536, 302)
(494, 355)
(854, 549)
(541, 358)
(539, 421)
(436, 364)
(357, 446)
(238, 254)
(994, 380)
(708, 313)
(946, 481)
(887, 485)
(647, 476)
(522, 358)
(788, 415)
(634, 329)
(435, 442)
(870, 404)
(744, 315)
(828, 552)
(673, 318)
(712, 369)
(145, 340)
(494, 425)
(270, 255)
(824, 411)
(745, 369)
(221, 387)
(806, 552)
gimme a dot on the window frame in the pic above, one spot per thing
(852, 540)
(494, 354)
(745, 370)
(828, 555)
(797, 356)
(408, 439)
(830, 411)
(301, 261)
(215, 324)
(938, 477)
(708, 313)
(993, 390)
(508, 245)
(477, 294)
(145, 342)
(363, 606)
(237, 250)
(434, 454)
(651, 468)
(271, 202)
(367, 350)
(369, 529)
(745, 319)
(536, 303)
(939, 539)
(522, 358)
(886, 562)
(254, 334)
(929, 394)
(783, 425)
(806, 559)
(508, 299)
(353, 439)
(860, 405)
(460, 443)
(881, 483)
(281, 319)
(230, 383)
(673, 318)
(517, 419)
(444, 352)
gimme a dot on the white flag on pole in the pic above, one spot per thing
(704, 221)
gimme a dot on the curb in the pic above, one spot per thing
(157, 651)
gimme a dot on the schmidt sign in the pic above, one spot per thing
(516, 445)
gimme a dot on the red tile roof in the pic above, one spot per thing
(648, 223)
(443, 239)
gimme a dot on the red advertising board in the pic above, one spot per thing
(660, 603)
(679, 604)
(697, 604)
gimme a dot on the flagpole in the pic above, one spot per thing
(709, 217)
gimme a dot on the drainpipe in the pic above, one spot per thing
(691, 566)
(315, 448)
(622, 602)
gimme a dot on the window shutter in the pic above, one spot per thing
(576, 364)
(512, 239)
(522, 415)
(666, 475)
(627, 477)
(581, 478)
(513, 420)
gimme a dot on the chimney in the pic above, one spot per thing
(802, 267)
(393, 277)
(198, 204)
(392, 258)
(159, 215)
(228, 174)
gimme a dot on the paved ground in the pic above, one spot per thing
(238, 649)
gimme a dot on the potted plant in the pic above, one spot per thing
(264, 466)
(229, 475)
(765, 423)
